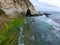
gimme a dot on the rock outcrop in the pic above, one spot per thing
(10, 21)
(12, 7)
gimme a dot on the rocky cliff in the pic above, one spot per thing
(11, 7)
(10, 21)
(14, 9)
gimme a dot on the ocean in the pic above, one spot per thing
(55, 16)
(47, 28)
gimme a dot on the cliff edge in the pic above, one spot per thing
(12, 7)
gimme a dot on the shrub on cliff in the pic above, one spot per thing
(1, 12)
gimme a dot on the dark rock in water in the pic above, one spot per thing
(28, 13)
(47, 15)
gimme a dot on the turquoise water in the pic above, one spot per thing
(46, 28)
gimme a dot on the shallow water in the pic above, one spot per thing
(47, 29)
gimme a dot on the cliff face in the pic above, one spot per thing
(14, 9)
(9, 24)
(13, 6)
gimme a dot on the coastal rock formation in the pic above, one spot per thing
(11, 12)
(12, 7)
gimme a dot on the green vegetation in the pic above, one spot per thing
(11, 31)
(1, 12)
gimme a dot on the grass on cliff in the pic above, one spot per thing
(10, 32)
